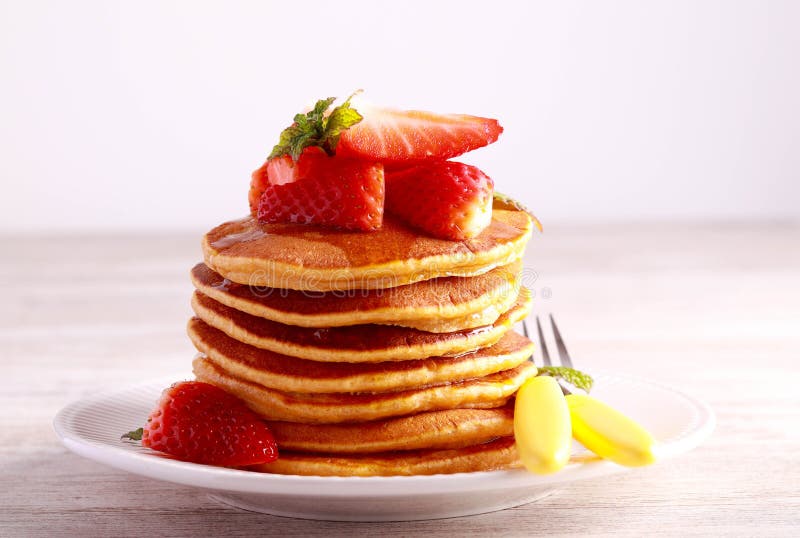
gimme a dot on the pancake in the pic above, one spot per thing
(486, 392)
(437, 305)
(498, 454)
(303, 257)
(357, 343)
(290, 374)
(449, 428)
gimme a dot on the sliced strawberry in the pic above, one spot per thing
(201, 423)
(258, 183)
(318, 189)
(447, 199)
(389, 135)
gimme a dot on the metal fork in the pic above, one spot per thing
(563, 354)
(600, 428)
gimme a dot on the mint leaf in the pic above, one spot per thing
(306, 131)
(314, 128)
(293, 140)
(318, 112)
(503, 201)
(341, 118)
(135, 435)
(570, 375)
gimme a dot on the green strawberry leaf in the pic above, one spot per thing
(315, 128)
(572, 376)
(135, 435)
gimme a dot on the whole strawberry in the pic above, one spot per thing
(446, 199)
(201, 423)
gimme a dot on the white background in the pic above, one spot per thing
(151, 115)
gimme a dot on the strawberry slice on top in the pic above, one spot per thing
(446, 199)
(407, 136)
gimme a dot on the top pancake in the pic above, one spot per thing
(311, 258)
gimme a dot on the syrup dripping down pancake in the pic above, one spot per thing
(358, 343)
(290, 374)
(498, 454)
(438, 305)
(486, 392)
(303, 257)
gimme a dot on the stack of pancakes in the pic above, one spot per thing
(381, 353)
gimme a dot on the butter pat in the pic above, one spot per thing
(609, 433)
(542, 426)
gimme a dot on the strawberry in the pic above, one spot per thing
(201, 423)
(258, 185)
(446, 199)
(328, 169)
(398, 136)
(318, 189)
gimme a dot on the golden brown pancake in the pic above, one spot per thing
(437, 305)
(486, 392)
(357, 343)
(303, 257)
(498, 454)
(290, 374)
(448, 428)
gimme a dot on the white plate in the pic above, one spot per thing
(92, 427)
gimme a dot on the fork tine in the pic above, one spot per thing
(545, 354)
(562, 349)
(526, 332)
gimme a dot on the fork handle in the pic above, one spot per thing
(609, 433)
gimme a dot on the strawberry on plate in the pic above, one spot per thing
(319, 189)
(406, 136)
(446, 199)
(200, 423)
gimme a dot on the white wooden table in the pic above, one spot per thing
(712, 309)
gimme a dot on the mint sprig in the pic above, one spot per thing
(503, 201)
(572, 376)
(316, 128)
(135, 435)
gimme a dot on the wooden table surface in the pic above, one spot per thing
(711, 309)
